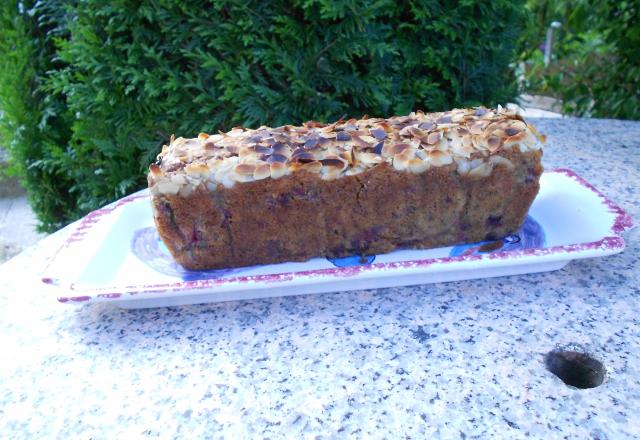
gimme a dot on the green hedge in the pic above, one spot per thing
(34, 127)
(130, 73)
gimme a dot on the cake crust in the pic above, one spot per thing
(217, 202)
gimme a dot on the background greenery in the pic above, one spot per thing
(35, 127)
(595, 69)
(91, 89)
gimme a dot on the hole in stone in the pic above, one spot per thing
(575, 368)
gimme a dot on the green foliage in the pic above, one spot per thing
(596, 65)
(34, 127)
(133, 72)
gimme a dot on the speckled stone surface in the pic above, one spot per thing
(454, 360)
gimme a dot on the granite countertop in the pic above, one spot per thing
(458, 360)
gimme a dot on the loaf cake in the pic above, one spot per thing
(353, 187)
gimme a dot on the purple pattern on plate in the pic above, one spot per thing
(353, 260)
(149, 248)
(530, 236)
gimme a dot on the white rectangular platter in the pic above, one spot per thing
(115, 255)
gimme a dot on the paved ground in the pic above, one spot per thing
(17, 221)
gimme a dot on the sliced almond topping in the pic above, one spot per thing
(360, 142)
(414, 142)
(278, 170)
(262, 171)
(511, 131)
(168, 187)
(434, 137)
(480, 142)
(502, 161)
(438, 158)
(197, 169)
(178, 179)
(417, 133)
(369, 158)
(334, 162)
(395, 149)
(417, 165)
(483, 170)
(244, 169)
(312, 167)
(155, 170)
(494, 143)
(457, 117)
(427, 125)
(378, 133)
(422, 154)
(400, 164)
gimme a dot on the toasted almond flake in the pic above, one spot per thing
(512, 131)
(427, 125)
(334, 162)
(245, 169)
(242, 177)
(359, 141)
(405, 155)
(438, 158)
(178, 179)
(480, 142)
(395, 149)
(278, 170)
(370, 158)
(155, 170)
(197, 169)
(494, 143)
(400, 164)
(417, 133)
(312, 167)
(262, 171)
(484, 170)
(417, 165)
(502, 161)
(168, 187)
(378, 133)
(434, 137)
(457, 117)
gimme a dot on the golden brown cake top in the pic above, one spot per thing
(467, 139)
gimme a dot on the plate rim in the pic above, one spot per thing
(609, 244)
